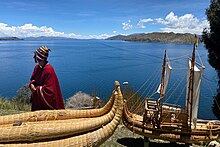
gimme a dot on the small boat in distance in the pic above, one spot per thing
(125, 83)
(172, 122)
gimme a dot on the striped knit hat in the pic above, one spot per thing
(42, 53)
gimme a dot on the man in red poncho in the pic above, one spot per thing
(44, 84)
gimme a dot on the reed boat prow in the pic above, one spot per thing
(78, 130)
(47, 115)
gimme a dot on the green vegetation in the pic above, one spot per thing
(6, 104)
(22, 99)
(211, 38)
(18, 103)
(157, 37)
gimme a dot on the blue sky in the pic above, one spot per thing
(100, 18)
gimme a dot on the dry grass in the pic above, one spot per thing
(134, 101)
(8, 112)
(82, 101)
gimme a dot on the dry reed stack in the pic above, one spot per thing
(45, 115)
(72, 128)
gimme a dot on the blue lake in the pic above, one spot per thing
(93, 65)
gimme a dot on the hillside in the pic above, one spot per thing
(157, 37)
(9, 38)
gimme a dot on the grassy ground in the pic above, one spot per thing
(8, 112)
(123, 137)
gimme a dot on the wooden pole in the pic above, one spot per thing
(191, 83)
(162, 78)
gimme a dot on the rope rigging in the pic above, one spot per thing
(175, 89)
(156, 70)
(153, 80)
(153, 83)
(212, 93)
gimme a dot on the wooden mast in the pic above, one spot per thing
(191, 83)
(161, 90)
(162, 78)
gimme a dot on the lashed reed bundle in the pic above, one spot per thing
(32, 131)
(86, 137)
(44, 115)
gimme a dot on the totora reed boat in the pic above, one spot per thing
(172, 122)
(63, 127)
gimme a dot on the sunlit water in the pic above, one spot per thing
(93, 65)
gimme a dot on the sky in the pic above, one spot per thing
(99, 19)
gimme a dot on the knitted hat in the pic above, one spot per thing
(42, 53)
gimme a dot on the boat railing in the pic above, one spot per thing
(173, 115)
(151, 112)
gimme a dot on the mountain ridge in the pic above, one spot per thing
(9, 38)
(171, 37)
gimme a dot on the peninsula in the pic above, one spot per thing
(186, 38)
(9, 38)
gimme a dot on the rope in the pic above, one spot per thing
(153, 94)
(204, 76)
(179, 68)
(141, 87)
(171, 88)
(152, 88)
(144, 99)
(175, 89)
(145, 91)
(212, 94)
(180, 94)
(178, 58)
(155, 82)
(199, 57)
(139, 105)
(168, 60)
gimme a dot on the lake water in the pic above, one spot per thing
(93, 65)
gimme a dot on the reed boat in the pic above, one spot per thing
(46, 115)
(63, 127)
(173, 122)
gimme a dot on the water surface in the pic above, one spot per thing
(93, 65)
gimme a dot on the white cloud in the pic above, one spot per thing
(142, 21)
(140, 24)
(29, 30)
(127, 25)
(183, 24)
(100, 36)
(187, 23)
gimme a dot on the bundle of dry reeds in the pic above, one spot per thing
(80, 127)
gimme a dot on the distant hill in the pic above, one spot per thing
(9, 38)
(47, 38)
(157, 37)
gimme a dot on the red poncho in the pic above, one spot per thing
(48, 94)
